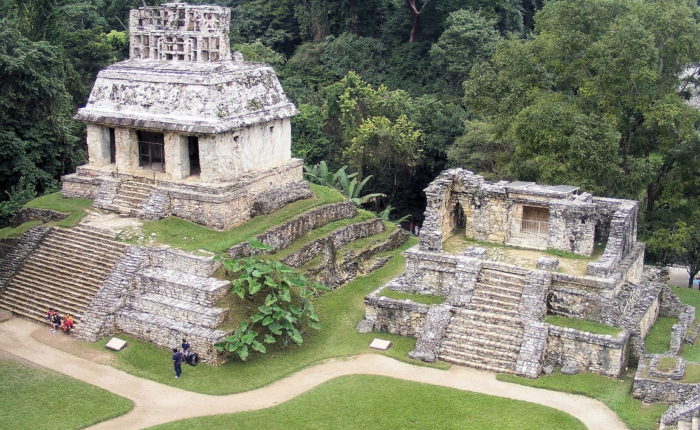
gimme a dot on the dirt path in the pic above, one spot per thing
(157, 403)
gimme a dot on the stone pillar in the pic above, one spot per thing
(207, 159)
(98, 145)
(127, 149)
(177, 160)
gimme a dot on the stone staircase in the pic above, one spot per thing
(131, 196)
(172, 301)
(64, 272)
(488, 332)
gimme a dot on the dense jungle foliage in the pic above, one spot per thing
(583, 92)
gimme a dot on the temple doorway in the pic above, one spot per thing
(193, 150)
(151, 150)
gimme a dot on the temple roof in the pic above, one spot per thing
(194, 97)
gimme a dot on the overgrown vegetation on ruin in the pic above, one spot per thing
(285, 304)
(75, 208)
(189, 236)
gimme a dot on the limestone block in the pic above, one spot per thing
(177, 160)
(98, 145)
(127, 149)
(548, 263)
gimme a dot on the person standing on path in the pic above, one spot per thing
(177, 362)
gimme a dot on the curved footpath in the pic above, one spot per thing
(155, 403)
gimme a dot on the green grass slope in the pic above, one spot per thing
(373, 402)
(615, 393)
(36, 398)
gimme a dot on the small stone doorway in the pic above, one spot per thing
(112, 146)
(193, 150)
(459, 221)
(151, 150)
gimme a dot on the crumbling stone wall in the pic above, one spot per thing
(402, 317)
(649, 388)
(621, 238)
(597, 353)
(98, 320)
(34, 214)
(283, 235)
(494, 212)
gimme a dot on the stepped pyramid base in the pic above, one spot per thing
(219, 205)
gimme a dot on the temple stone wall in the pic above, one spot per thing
(98, 145)
(579, 297)
(401, 317)
(219, 206)
(283, 235)
(596, 353)
(495, 212)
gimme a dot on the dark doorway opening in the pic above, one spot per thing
(151, 150)
(193, 149)
(459, 221)
(112, 147)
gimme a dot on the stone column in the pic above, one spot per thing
(127, 149)
(177, 160)
(98, 145)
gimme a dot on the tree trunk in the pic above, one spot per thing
(414, 28)
(415, 12)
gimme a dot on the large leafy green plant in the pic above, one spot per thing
(286, 305)
(347, 183)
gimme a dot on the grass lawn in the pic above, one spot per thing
(583, 325)
(375, 402)
(12, 232)
(426, 299)
(340, 310)
(692, 373)
(658, 339)
(667, 363)
(74, 207)
(35, 398)
(615, 393)
(189, 236)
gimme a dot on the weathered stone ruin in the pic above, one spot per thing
(493, 314)
(184, 128)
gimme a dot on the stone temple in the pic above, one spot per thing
(503, 257)
(184, 128)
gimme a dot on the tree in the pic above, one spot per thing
(480, 150)
(260, 53)
(385, 145)
(309, 141)
(37, 134)
(416, 12)
(614, 65)
(679, 244)
(468, 38)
